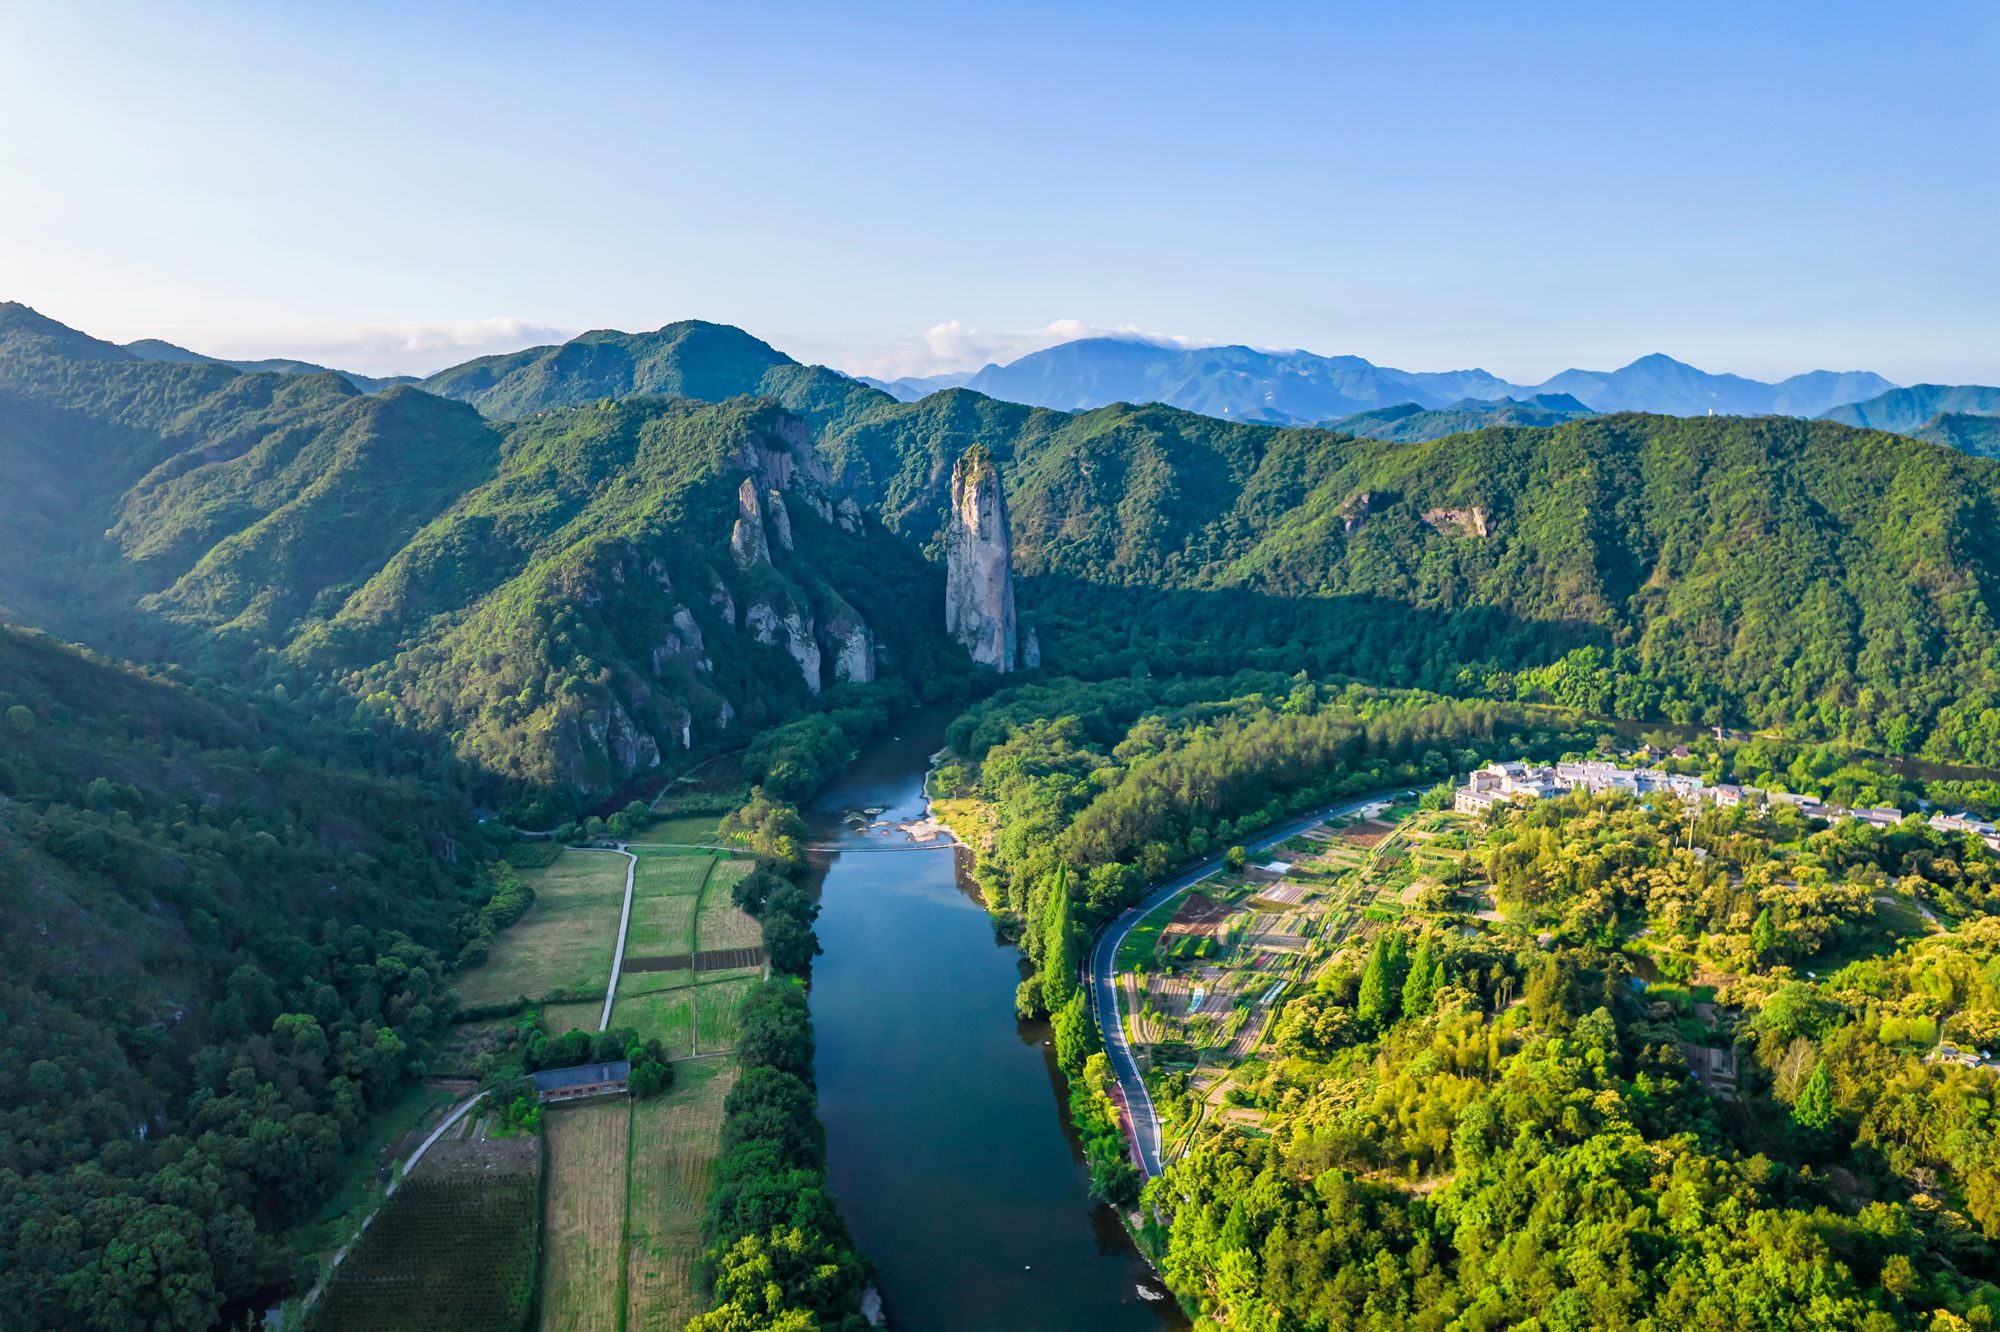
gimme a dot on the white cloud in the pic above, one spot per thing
(957, 346)
(377, 349)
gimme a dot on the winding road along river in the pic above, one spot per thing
(948, 1141)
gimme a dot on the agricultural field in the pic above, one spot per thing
(453, 1250)
(674, 1142)
(723, 924)
(1204, 974)
(682, 830)
(687, 937)
(584, 1227)
(665, 1015)
(715, 1005)
(564, 942)
(387, 1137)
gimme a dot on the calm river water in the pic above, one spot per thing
(950, 1149)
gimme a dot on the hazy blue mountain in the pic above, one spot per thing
(1659, 383)
(1906, 410)
(1819, 391)
(153, 349)
(1234, 383)
(1410, 424)
(911, 387)
(1299, 387)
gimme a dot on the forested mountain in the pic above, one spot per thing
(1772, 571)
(1300, 388)
(223, 938)
(1411, 424)
(1907, 410)
(153, 349)
(1977, 435)
(566, 597)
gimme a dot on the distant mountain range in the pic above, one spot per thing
(153, 349)
(1301, 388)
(1345, 393)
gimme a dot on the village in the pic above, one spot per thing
(1501, 783)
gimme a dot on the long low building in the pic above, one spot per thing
(573, 1084)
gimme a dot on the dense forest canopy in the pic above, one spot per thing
(224, 939)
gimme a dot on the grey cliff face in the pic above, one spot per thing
(979, 579)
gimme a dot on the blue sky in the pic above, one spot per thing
(1763, 188)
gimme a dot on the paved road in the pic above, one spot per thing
(1145, 1124)
(624, 923)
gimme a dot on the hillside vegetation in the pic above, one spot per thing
(223, 943)
(566, 598)
(1764, 571)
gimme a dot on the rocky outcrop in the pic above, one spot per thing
(783, 458)
(1031, 649)
(1353, 513)
(849, 514)
(746, 539)
(790, 630)
(1460, 522)
(979, 577)
(781, 518)
(721, 600)
(605, 742)
(849, 642)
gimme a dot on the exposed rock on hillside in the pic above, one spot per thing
(1460, 522)
(979, 579)
(746, 540)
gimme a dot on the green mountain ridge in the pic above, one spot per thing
(1148, 538)
(1907, 410)
(560, 596)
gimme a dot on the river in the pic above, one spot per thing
(949, 1144)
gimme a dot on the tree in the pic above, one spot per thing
(1380, 981)
(1813, 1113)
(1075, 1033)
(1059, 963)
(1426, 975)
(1236, 858)
(20, 719)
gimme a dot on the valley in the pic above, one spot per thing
(414, 687)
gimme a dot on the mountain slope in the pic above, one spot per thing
(689, 359)
(1235, 383)
(1906, 410)
(1976, 435)
(566, 597)
(1770, 571)
(178, 871)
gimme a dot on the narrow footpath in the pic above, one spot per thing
(1144, 1124)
